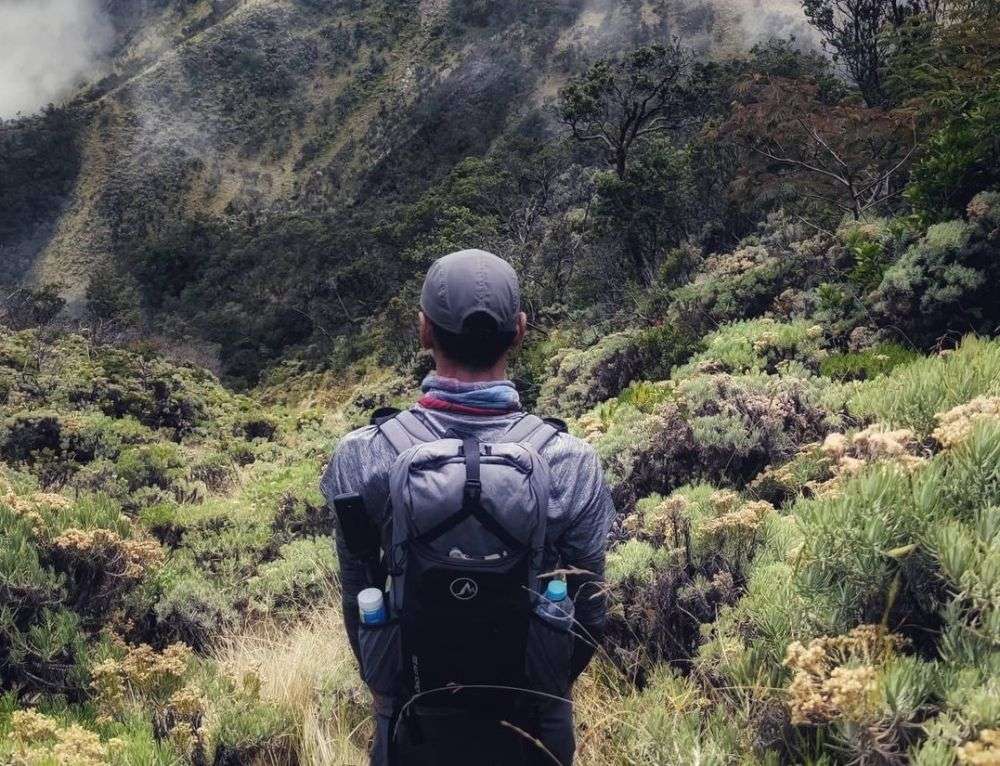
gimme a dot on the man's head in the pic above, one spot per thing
(471, 313)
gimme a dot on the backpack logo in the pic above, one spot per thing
(464, 589)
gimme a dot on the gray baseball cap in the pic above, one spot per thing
(469, 281)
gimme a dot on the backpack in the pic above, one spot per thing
(465, 652)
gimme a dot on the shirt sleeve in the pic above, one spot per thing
(345, 474)
(583, 543)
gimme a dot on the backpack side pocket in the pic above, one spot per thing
(381, 658)
(549, 655)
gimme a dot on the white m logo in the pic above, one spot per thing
(463, 588)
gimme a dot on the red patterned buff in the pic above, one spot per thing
(431, 403)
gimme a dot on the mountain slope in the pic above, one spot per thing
(221, 116)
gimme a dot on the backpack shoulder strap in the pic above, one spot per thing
(405, 429)
(535, 431)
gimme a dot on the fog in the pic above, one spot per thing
(756, 21)
(46, 48)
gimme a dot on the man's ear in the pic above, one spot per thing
(522, 328)
(426, 334)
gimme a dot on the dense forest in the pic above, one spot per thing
(760, 250)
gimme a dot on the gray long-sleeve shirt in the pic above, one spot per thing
(579, 513)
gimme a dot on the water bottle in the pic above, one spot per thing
(372, 606)
(556, 608)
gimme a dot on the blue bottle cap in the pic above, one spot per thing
(556, 590)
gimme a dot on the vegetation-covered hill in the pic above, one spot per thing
(762, 284)
(252, 154)
(803, 570)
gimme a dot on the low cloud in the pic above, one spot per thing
(47, 48)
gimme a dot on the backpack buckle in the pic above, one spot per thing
(473, 491)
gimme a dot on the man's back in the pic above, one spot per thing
(579, 513)
(470, 319)
(579, 510)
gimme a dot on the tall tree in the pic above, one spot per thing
(849, 156)
(618, 101)
(855, 33)
(651, 208)
(949, 72)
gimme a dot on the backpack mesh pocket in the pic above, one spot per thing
(381, 659)
(548, 657)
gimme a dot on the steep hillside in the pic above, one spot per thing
(226, 135)
(291, 105)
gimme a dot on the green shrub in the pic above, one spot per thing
(782, 483)
(301, 576)
(215, 469)
(28, 436)
(242, 727)
(960, 158)
(719, 428)
(873, 245)
(634, 561)
(912, 394)
(191, 608)
(881, 550)
(665, 723)
(670, 521)
(229, 549)
(910, 549)
(67, 571)
(944, 283)
(580, 378)
(758, 345)
(153, 465)
(733, 286)
(865, 365)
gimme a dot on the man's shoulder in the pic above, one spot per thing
(358, 437)
(361, 459)
(566, 446)
(361, 443)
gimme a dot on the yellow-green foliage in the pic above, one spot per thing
(302, 575)
(852, 616)
(668, 722)
(635, 561)
(712, 427)
(914, 393)
(878, 552)
(580, 378)
(67, 570)
(867, 364)
(181, 506)
(759, 345)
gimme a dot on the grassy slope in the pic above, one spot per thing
(200, 124)
(225, 491)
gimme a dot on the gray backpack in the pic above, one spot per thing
(464, 649)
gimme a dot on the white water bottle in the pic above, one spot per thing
(371, 604)
(556, 608)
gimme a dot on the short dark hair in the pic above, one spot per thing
(479, 346)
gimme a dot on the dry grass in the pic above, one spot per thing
(308, 667)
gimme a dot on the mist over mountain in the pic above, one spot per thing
(252, 175)
(206, 109)
(48, 49)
